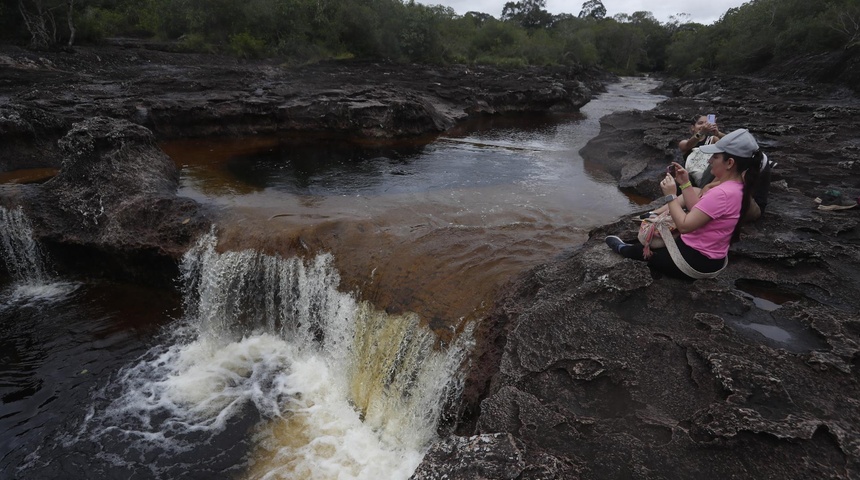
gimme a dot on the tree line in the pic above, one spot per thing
(744, 39)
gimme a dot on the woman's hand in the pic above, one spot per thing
(682, 176)
(710, 128)
(668, 185)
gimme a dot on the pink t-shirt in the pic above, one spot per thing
(723, 204)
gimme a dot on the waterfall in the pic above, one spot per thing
(21, 253)
(339, 389)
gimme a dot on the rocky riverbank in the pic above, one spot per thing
(187, 95)
(589, 367)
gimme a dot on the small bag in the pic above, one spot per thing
(649, 232)
(698, 167)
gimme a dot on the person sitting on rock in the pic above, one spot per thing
(712, 222)
(695, 161)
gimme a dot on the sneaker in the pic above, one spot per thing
(615, 243)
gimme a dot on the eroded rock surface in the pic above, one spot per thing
(182, 95)
(113, 205)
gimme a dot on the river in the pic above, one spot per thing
(321, 326)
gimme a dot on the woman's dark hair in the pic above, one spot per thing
(749, 168)
(697, 117)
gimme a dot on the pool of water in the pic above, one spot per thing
(433, 228)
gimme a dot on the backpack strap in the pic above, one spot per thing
(679, 260)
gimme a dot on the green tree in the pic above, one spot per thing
(530, 14)
(844, 18)
(46, 21)
(497, 42)
(593, 9)
(577, 40)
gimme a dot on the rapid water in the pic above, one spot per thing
(320, 333)
(22, 255)
(269, 354)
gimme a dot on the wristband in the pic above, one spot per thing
(688, 184)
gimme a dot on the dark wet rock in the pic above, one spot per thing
(495, 456)
(624, 374)
(112, 208)
(467, 458)
(183, 95)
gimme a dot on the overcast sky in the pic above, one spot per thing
(705, 12)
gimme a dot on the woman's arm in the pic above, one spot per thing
(685, 221)
(688, 144)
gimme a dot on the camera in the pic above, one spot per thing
(671, 170)
(712, 118)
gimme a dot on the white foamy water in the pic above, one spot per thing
(20, 251)
(333, 388)
(25, 293)
(26, 263)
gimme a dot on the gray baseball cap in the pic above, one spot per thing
(740, 143)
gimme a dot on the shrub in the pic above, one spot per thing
(195, 42)
(245, 45)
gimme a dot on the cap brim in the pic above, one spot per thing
(710, 149)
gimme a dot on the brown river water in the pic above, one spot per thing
(298, 347)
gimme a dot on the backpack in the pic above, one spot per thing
(698, 167)
(762, 186)
(649, 232)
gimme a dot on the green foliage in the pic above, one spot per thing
(593, 9)
(420, 40)
(529, 14)
(498, 40)
(843, 18)
(95, 23)
(763, 31)
(245, 45)
(745, 39)
(687, 54)
(542, 49)
(576, 39)
(501, 61)
(621, 46)
(195, 42)
(164, 19)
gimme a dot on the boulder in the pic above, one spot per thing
(113, 201)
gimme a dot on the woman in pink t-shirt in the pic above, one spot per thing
(710, 223)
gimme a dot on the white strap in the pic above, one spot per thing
(679, 259)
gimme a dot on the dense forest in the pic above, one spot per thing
(746, 38)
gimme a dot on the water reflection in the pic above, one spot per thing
(327, 168)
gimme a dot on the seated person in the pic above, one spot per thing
(759, 196)
(696, 161)
(712, 222)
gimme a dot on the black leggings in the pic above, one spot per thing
(661, 260)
